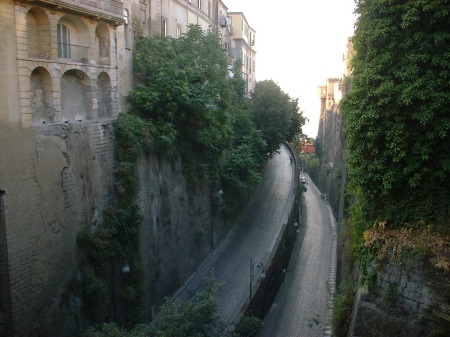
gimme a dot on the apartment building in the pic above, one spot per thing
(243, 47)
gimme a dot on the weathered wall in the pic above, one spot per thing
(399, 302)
(176, 231)
(332, 176)
(56, 180)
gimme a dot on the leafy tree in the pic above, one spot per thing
(195, 109)
(242, 163)
(319, 148)
(196, 317)
(183, 89)
(275, 114)
(397, 112)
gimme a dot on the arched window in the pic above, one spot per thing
(76, 94)
(63, 41)
(103, 44)
(73, 39)
(104, 95)
(41, 96)
(38, 34)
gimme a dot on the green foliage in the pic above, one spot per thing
(93, 291)
(319, 148)
(276, 114)
(248, 326)
(390, 295)
(312, 167)
(342, 309)
(397, 113)
(196, 317)
(185, 92)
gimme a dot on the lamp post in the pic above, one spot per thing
(254, 265)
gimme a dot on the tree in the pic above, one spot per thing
(195, 109)
(242, 163)
(183, 89)
(275, 114)
(196, 317)
(397, 114)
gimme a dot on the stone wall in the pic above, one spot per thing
(176, 231)
(56, 180)
(400, 301)
(332, 176)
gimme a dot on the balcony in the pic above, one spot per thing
(109, 10)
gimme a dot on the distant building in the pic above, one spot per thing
(309, 148)
(243, 39)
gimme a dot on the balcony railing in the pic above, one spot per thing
(73, 52)
(110, 10)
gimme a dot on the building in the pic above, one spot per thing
(243, 39)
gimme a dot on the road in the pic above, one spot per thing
(302, 306)
(252, 238)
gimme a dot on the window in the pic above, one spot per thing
(63, 41)
(178, 31)
(126, 27)
(163, 27)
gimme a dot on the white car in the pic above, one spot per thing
(303, 180)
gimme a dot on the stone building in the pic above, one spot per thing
(67, 74)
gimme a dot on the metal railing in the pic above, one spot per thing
(73, 52)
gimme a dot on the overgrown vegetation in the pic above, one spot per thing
(397, 113)
(248, 326)
(397, 129)
(196, 317)
(117, 238)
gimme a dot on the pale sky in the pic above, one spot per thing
(299, 44)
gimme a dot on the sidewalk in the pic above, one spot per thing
(252, 239)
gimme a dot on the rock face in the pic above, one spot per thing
(332, 176)
(56, 180)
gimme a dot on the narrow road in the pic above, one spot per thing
(253, 238)
(301, 308)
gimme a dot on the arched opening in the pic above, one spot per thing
(76, 95)
(73, 39)
(41, 96)
(104, 95)
(103, 44)
(126, 28)
(38, 34)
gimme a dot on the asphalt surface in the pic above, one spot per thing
(302, 307)
(252, 238)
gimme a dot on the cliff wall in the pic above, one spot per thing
(55, 181)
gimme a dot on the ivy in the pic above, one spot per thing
(397, 116)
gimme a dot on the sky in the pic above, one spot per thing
(299, 45)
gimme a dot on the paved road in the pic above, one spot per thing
(253, 238)
(301, 308)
